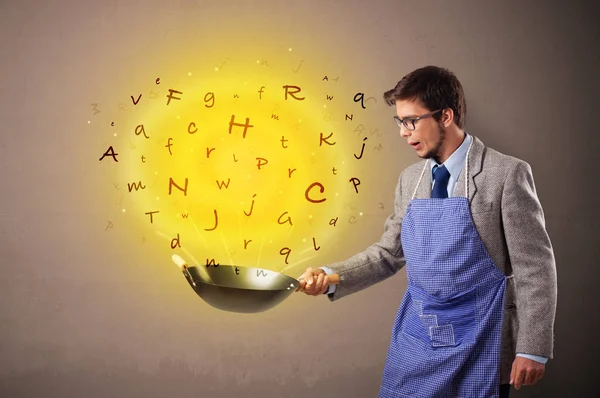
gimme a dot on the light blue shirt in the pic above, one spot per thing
(454, 164)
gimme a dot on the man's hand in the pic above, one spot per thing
(313, 282)
(526, 372)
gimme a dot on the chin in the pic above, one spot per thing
(424, 154)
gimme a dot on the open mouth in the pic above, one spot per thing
(415, 145)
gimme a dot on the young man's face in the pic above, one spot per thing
(428, 136)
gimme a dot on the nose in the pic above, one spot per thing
(404, 132)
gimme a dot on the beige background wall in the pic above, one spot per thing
(86, 312)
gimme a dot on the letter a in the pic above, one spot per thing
(110, 152)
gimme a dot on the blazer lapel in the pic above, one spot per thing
(424, 189)
(475, 165)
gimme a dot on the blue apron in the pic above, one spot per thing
(446, 335)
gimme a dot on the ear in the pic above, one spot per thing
(447, 117)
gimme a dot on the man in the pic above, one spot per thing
(478, 313)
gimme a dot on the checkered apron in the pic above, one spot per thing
(446, 336)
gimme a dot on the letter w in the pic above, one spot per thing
(220, 185)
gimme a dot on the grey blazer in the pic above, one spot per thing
(510, 221)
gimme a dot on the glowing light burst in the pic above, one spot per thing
(238, 194)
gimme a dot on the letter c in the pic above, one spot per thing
(321, 189)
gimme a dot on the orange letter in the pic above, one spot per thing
(321, 189)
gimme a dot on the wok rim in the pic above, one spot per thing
(291, 279)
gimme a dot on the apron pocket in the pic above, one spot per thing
(442, 336)
(442, 324)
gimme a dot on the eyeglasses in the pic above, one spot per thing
(409, 122)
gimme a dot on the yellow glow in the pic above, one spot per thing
(233, 179)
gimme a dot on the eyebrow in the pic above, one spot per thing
(407, 116)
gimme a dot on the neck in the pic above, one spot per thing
(454, 138)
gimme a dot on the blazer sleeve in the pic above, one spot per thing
(532, 259)
(378, 261)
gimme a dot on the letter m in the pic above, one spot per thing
(137, 186)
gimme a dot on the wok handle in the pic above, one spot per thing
(334, 279)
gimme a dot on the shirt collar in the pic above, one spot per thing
(454, 164)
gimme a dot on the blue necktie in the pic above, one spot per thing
(441, 177)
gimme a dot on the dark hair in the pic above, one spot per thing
(435, 88)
